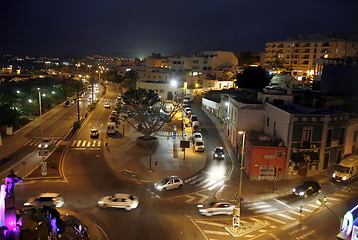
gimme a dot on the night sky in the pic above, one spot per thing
(138, 28)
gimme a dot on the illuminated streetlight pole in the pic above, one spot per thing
(237, 210)
(42, 131)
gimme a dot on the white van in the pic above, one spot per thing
(111, 128)
(347, 169)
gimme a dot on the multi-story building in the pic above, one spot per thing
(298, 54)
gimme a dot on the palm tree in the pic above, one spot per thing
(77, 86)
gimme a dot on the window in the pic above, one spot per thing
(329, 138)
(341, 136)
(306, 138)
(278, 154)
(267, 122)
(195, 61)
(355, 136)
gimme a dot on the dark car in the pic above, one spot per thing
(307, 188)
(219, 153)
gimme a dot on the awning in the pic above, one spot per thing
(305, 157)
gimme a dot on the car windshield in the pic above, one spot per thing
(342, 169)
(211, 204)
(219, 150)
(94, 131)
(47, 140)
(194, 118)
(165, 180)
(199, 144)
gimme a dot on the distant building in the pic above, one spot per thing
(297, 55)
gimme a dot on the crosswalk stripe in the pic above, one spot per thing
(84, 144)
(306, 210)
(296, 213)
(73, 143)
(312, 205)
(340, 195)
(285, 216)
(265, 210)
(243, 221)
(78, 143)
(249, 236)
(211, 223)
(259, 207)
(203, 182)
(99, 144)
(263, 230)
(88, 144)
(216, 232)
(274, 219)
(216, 185)
(196, 180)
(332, 198)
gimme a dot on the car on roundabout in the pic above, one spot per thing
(216, 208)
(307, 188)
(197, 137)
(219, 153)
(169, 183)
(119, 200)
(199, 146)
(106, 105)
(46, 199)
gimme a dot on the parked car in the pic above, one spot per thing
(199, 146)
(94, 133)
(67, 103)
(106, 105)
(307, 188)
(216, 208)
(219, 153)
(119, 200)
(168, 183)
(197, 136)
(187, 110)
(46, 199)
(193, 118)
(46, 143)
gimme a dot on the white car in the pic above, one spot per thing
(119, 200)
(216, 208)
(197, 137)
(94, 133)
(46, 143)
(199, 146)
(46, 199)
(168, 183)
(106, 105)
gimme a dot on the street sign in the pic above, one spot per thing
(184, 144)
(44, 168)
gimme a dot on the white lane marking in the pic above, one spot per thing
(296, 213)
(334, 199)
(94, 143)
(282, 203)
(216, 185)
(274, 219)
(191, 198)
(306, 210)
(284, 216)
(341, 195)
(84, 144)
(265, 210)
(249, 236)
(290, 225)
(99, 144)
(203, 197)
(259, 207)
(73, 143)
(312, 205)
(216, 232)
(211, 223)
(88, 144)
(78, 143)
(263, 230)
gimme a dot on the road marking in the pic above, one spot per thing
(191, 198)
(203, 182)
(274, 219)
(78, 143)
(282, 203)
(290, 225)
(262, 230)
(249, 236)
(284, 216)
(203, 197)
(334, 199)
(306, 210)
(259, 207)
(216, 185)
(273, 226)
(73, 143)
(312, 205)
(88, 144)
(99, 144)
(255, 219)
(341, 195)
(211, 223)
(196, 180)
(265, 210)
(296, 213)
(216, 232)
(306, 235)
(273, 236)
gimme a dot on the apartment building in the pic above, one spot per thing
(298, 54)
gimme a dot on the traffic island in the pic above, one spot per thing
(246, 228)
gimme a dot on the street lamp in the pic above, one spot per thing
(237, 210)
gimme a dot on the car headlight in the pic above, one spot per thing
(294, 190)
(302, 193)
(202, 210)
(26, 204)
(46, 145)
(222, 155)
(159, 187)
(100, 202)
(200, 205)
(39, 145)
(215, 155)
(334, 175)
(344, 178)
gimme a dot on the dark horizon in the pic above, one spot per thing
(60, 28)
